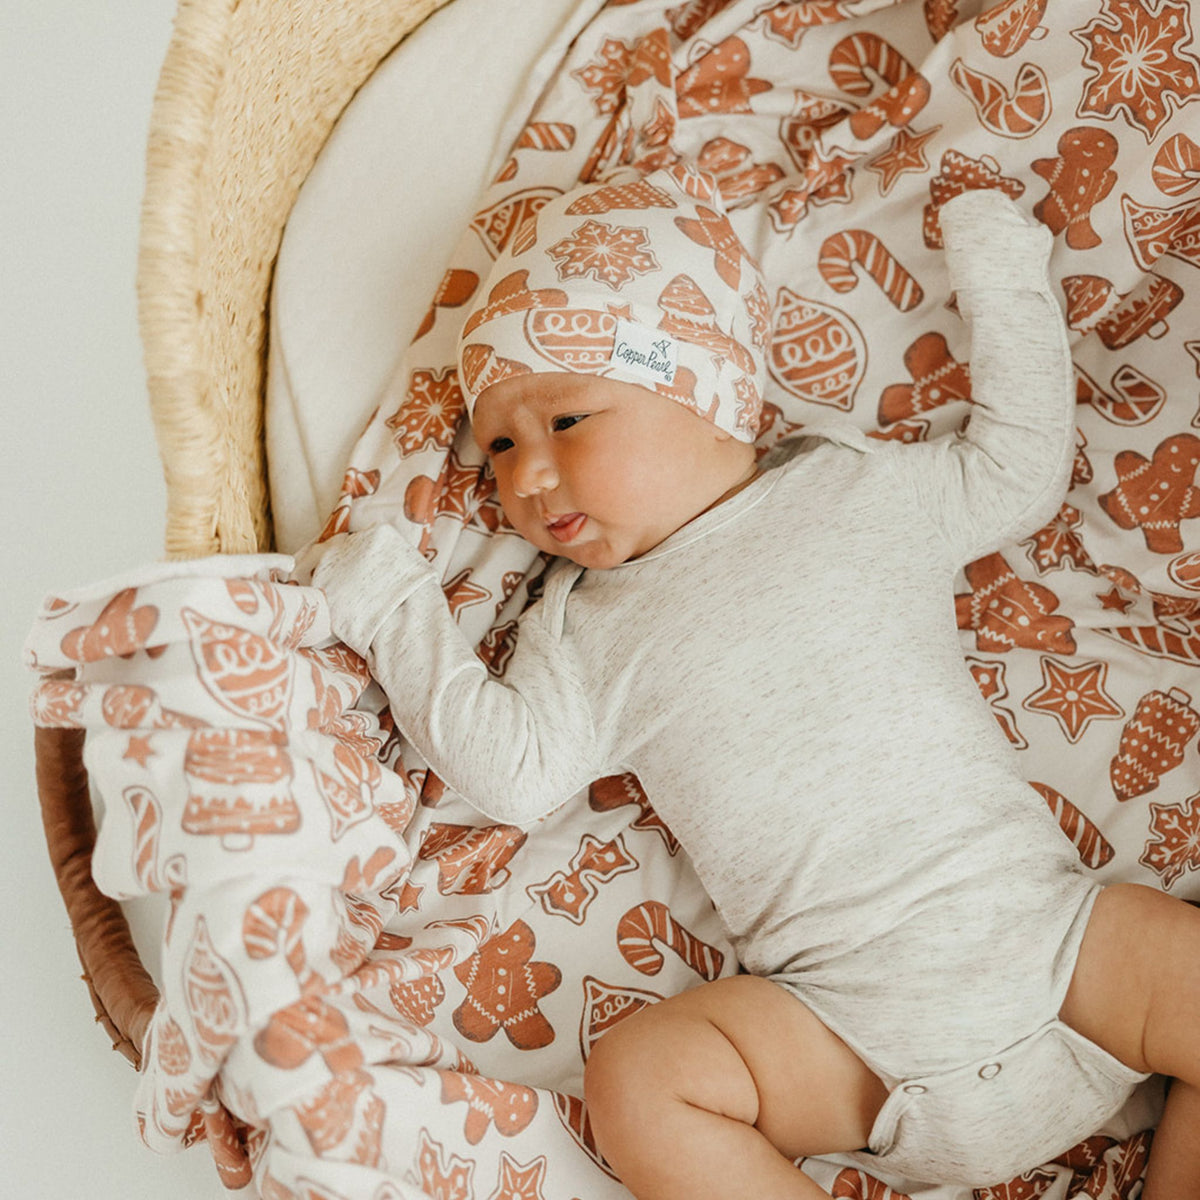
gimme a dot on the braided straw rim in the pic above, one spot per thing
(248, 94)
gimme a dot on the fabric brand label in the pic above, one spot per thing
(644, 353)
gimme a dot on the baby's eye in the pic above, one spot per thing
(499, 445)
(561, 423)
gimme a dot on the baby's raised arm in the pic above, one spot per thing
(1006, 477)
(514, 750)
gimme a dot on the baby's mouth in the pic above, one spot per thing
(566, 528)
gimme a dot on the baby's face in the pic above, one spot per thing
(600, 471)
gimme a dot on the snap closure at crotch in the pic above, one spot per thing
(915, 1089)
(990, 1071)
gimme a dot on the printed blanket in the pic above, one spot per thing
(394, 997)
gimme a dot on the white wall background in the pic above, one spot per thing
(82, 498)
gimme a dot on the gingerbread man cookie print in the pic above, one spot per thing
(1079, 178)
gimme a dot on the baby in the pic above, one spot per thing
(934, 986)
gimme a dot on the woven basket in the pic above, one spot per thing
(248, 93)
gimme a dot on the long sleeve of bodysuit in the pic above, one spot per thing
(1006, 476)
(514, 750)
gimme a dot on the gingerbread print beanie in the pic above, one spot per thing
(637, 279)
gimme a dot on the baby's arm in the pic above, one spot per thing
(1007, 476)
(515, 750)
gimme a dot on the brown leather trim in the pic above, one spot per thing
(123, 993)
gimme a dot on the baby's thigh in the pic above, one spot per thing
(1136, 986)
(747, 1049)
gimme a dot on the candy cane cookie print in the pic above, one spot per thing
(146, 812)
(573, 1117)
(650, 922)
(839, 253)
(498, 225)
(863, 62)
(1095, 851)
(1134, 399)
(1017, 115)
(1176, 168)
(540, 135)
(355, 485)
(273, 924)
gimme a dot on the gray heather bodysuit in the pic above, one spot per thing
(785, 677)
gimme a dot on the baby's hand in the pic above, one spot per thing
(356, 572)
(990, 244)
(308, 558)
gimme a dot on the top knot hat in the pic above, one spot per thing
(640, 279)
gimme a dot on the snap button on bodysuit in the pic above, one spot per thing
(990, 1071)
(915, 1089)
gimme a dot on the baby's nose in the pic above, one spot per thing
(534, 474)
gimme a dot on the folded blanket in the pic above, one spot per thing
(397, 996)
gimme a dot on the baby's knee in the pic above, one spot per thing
(631, 1075)
(614, 1071)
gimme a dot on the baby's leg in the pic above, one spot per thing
(715, 1091)
(1136, 992)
